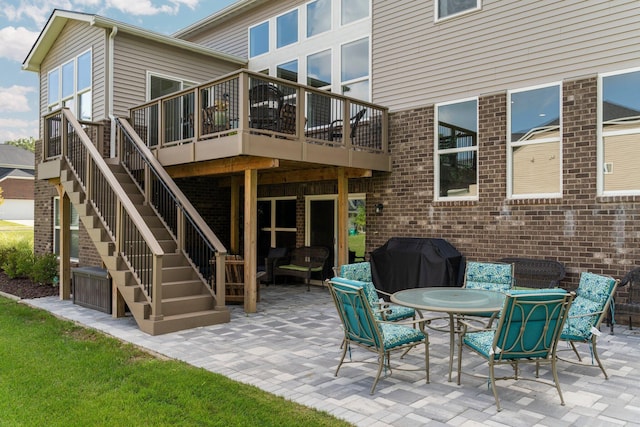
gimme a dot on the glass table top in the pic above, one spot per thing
(450, 299)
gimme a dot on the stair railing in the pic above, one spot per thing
(132, 237)
(193, 236)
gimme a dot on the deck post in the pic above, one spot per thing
(64, 213)
(343, 218)
(250, 240)
(235, 214)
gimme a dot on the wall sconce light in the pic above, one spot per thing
(379, 208)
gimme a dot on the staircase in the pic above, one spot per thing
(139, 255)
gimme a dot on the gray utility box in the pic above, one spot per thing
(92, 288)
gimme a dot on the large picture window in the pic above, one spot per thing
(70, 86)
(75, 244)
(534, 163)
(619, 148)
(456, 166)
(276, 224)
(448, 8)
(324, 43)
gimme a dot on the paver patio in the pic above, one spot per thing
(290, 347)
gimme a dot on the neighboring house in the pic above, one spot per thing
(453, 101)
(17, 169)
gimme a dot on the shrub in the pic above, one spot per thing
(45, 269)
(19, 260)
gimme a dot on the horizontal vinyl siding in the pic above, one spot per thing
(232, 36)
(134, 57)
(508, 44)
(76, 38)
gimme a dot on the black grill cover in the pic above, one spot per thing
(408, 262)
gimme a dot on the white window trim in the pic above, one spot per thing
(76, 93)
(510, 146)
(184, 83)
(601, 135)
(301, 35)
(270, 25)
(332, 39)
(437, 153)
(71, 227)
(304, 16)
(436, 7)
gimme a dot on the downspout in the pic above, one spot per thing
(112, 140)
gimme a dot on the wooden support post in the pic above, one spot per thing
(64, 211)
(250, 240)
(343, 218)
(235, 214)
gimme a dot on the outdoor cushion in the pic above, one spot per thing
(591, 298)
(395, 335)
(357, 271)
(490, 276)
(391, 312)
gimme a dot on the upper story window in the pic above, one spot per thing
(353, 10)
(456, 165)
(448, 8)
(70, 86)
(318, 17)
(619, 147)
(534, 163)
(322, 43)
(259, 39)
(287, 29)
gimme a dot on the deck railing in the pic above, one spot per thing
(256, 103)
(194, 237)
(66, 138)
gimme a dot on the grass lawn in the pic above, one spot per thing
(55, 373)
(356, 243)
(12, 232)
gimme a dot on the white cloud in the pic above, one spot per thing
(141, 7)
(16, 42)
(12, 129)
(14, 99)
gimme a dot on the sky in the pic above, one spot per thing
(22, 20)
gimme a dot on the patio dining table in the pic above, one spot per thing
(455, 302)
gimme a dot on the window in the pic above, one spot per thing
(353, 10)
(70, 86)
(319, 69)
(276, 224)
(318, 17)
(355, 69)
(287, 29)
(288, 71)
(456, 166)
(309, 45)
(161, 86)
(447, 8)
(259, 39)
(619, 147)
(534, 163)
(75, 246)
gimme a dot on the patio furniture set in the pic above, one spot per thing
(503, 323)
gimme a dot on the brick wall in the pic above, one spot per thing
(19, 189)
(582, 230)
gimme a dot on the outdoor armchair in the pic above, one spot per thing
(363, 328)
(590, 307)
(528, 332)
(361, 271)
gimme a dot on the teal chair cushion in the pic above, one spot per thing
(489, 276)
(396, 335)
(592, 295)
(357, 271)
(392, 312)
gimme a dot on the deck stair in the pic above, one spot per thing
(186, 299)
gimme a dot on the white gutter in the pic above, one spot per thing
(112, 118)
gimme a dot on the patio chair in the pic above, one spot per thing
(528, 332)
(590, 307)
(361, 271)
(265, 105)
(491, 276)
(336, 126)
(629, 304)
(363, 329)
